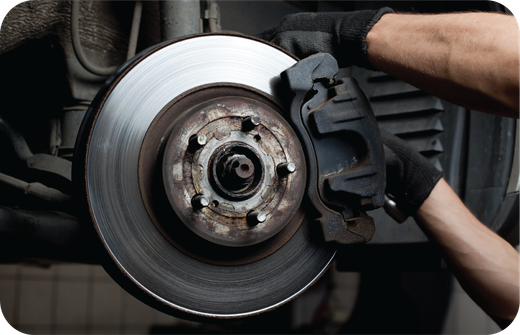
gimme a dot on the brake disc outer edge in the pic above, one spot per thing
(80, 174)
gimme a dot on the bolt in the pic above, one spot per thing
(197, 141)
(285, 168)
(256, 217)
(199, 201)
(250, 122)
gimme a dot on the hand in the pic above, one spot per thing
(341, 34)
(410, 177)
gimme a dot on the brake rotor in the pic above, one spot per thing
(194, 180)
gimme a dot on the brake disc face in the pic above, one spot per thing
(195, 180)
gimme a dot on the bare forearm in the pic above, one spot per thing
(469, 59)
(486, 266)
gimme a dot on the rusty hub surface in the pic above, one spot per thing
(177, 176)
(235, 170)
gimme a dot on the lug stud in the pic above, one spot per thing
(197, 141)
(256, 217)
(199, 201)
(250, 122)
(284, 169)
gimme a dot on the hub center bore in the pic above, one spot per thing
(237, 171)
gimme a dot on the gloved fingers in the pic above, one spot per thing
(303, 44)
(404, 151)
(341, 34)
(410, 176)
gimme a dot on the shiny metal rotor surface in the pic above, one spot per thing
(135, 244)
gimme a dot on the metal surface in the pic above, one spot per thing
(393, 211)
(20, 146)
(234, 137)
(134, 32)
(180, 18)
(38, 190)
(151, 262)
(212, 14)
(70, 123)
(68, 131)
(157, 203)
(57, 169)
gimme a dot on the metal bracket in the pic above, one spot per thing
(341, 138)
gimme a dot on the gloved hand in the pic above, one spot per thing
(410, 177)
(341, 34)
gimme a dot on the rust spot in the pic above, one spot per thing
(221, 135)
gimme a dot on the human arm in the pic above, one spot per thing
(469, 59)
(486, 266)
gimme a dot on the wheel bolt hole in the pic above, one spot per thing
(215, 203)
(257, 138)
(244, 167)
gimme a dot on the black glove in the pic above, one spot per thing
(410, 177)
(341, 34)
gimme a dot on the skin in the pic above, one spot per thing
(486, 266)
(469, 59)
(472, 60)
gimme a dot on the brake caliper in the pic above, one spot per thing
(342, 141)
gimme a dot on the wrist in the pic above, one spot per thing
(375, 39)
(441, 206)
(378, 15)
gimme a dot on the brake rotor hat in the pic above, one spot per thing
(228, 190)
(224, 155)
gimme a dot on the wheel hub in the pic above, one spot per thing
(235, 170)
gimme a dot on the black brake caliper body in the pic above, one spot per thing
(342, 142)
